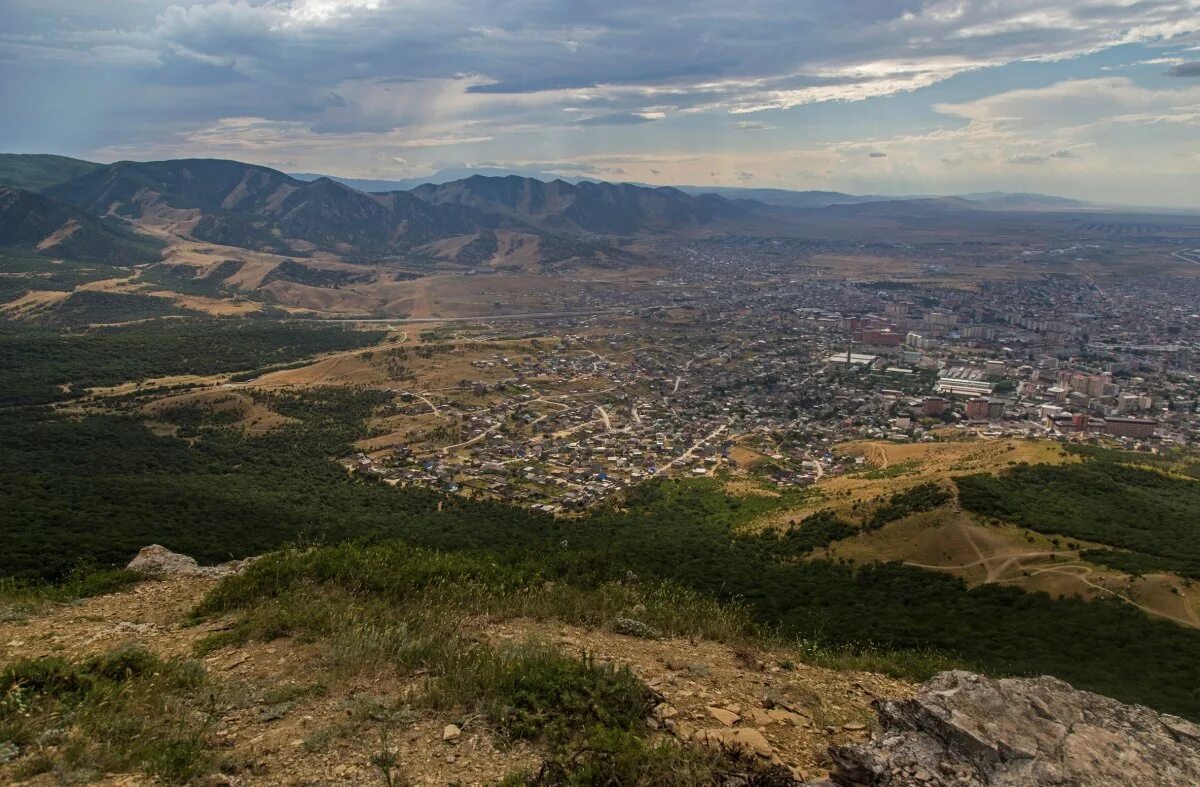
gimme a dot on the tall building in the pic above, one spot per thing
(984, 409)
(977, 409)
(1129, 427)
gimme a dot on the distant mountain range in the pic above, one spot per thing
(238, 204)
(786, 198)
(586, 207)
(478, 220)
(441, 176)
(56, 205)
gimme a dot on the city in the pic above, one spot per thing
(566, 415)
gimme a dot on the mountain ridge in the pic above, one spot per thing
(260, 208)
(54, 228)
(37, 171)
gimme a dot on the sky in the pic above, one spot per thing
(1095, 99)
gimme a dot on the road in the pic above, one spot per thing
(474, 439)
(424, 399)
(688, 453)
(474, 318)
(1183, 255)
(820, 469)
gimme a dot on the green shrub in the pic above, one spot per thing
(923, 497)
(532, 692)
(618, 757)
(125, 709)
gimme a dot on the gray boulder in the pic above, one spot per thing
(158, 561)
(965, 729)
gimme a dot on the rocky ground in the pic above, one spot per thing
(286, 716)
(967, 730)
(293, 720)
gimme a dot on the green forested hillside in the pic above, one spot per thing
(39, 364)
(101, 487)
(36, 171)
(1103, 499)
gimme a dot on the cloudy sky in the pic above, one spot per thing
(1089, 98)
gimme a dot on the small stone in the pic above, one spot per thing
(745, 738)
(758, 718)
(854, 726)
(726, 717)
(665, 710)
(781, 716)
(451, 732)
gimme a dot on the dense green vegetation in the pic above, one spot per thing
(42, 364)
(290, 270)
(22, 270)
(102, 487)
(120, 710)
(36, 171)
(1179, 461)
(182, 278)
(815, 530)
(1103, 500)
(84, 581)
(88, 307)
(1135, 563)
(923, 497)
(417, 611)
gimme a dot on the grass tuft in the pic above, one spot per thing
(121, 710)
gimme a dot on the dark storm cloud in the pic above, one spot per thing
(1191, 69)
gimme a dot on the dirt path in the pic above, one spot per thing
(424, 399)
(420, 301)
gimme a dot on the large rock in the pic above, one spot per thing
(745, 738)
(158, 561)
(965, 729)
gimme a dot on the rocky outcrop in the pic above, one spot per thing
(158, 561)
(965, 729)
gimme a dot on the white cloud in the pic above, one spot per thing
(1079, 102)
(357, 81)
